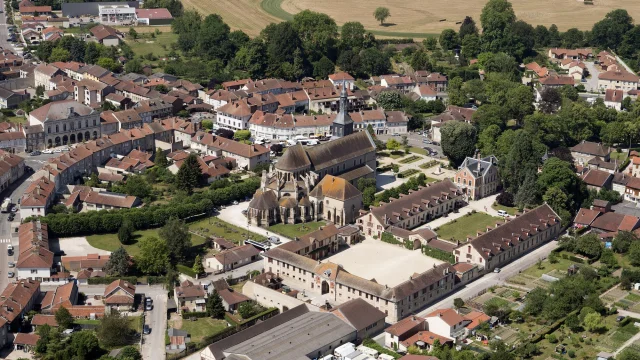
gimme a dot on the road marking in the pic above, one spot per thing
(5, 241)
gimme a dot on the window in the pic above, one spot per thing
(34, 271)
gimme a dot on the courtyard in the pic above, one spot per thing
(389, 264)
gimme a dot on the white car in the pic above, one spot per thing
(502, 213)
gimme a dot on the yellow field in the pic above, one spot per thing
(409, 16)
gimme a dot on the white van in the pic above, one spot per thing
(502, 213)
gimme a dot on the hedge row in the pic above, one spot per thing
(439, 254)
(98, 222)
(109, 280)
(193, 314)
(382, 350)
(249, 322)
(389, 238)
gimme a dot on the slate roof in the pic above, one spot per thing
(338, 150)
(293, 159)
(59, 110)
(592, 148)
(324, 232)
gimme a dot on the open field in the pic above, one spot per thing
(160, 46)
(296, 230)
(411, 18)
(388, 264)
(467, 225)
(200, 328)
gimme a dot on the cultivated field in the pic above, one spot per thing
(413, 18)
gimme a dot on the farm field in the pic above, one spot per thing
(412, 18)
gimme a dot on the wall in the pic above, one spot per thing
(271, 298)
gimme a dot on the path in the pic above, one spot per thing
(233, 215)
(635, 338)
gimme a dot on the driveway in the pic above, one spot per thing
(592, 82)
(76, 246)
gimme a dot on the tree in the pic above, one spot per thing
(276, 148)
(381, 14)
(572, 322)
(505, 199)
(593, 322)
(456, 93)
(535, 301)
(628, 354)
(133, 33)
(242, 135)
(198, 268)
(541, 36)
(449, 39)
(118, 263)
(374, 62)
(114, 329)
(550, 100)
(189, 175)
(109, 64)
(129, 353)
(468, 27)
(389, 100)
(176, 234)
(608, 258)
(137, 186)
(59, 54)
(405, 143)
(458, 303)
(133, 66)
(214, 306)
(608, 32)
(393, 144)
(84, 345)
(323, 68)
(634, 253)
(520, 102)
(64, 318)
(250, 58)
(247, 309)
(318, 32)
(154, 256)
(458, 141)
(40, 91)
(471, 46)
(125, 233)
(160, 159)
(430, 43)
(496, 18)
(213, 39)
(589, 245)
(556, 198)
(623, 240)
(352, 35)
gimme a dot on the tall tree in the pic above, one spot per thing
(468, 27)
(114, 329)
(176, 234)
(189, 175)
(521, 161)
(458, 141)
(608, 32)
(118, 263)
(125, 233)
(160, 159)
(64, 318)
(449, 39)
(352, 35)
(318, 32)
(381, 14)
(496, 18)
(213, 38)
(198, 268)
(214, 306)
(250, 58)
(541, 36)
(154, 256)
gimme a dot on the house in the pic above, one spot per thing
(618, 79)
(533, 70)
(178, 339)
(325, 100)
(452, 113)
(447, 323)
(44, 73)
(633, 169)
(585, 218)
(395, 334)
(317, 244)
(231, 299)
(505, 242)
(597, 179)
(235, 84)
(556, 81)
(288, 126)
(96, 262)
(478, 178)
(364, 317)
(83, 276)
(37, 198)
(587, 150)
(246, 156)
(190, 297)
(11, 168)
(611, 222)
(426, 93)
(65, 295)
(40, 319)
(232, 258)
(25, 342)
(10, 99)
(632, 190)
(35, 260)
(424, 340)
(16, 300)
(473, 320)
(403, 84)
(343, 79)
(106, 35)
(613, 98)
(412, 210)
(119, 294)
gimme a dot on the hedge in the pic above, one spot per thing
(439, 254)
(195, 314)
(375, 346)
(250, 321)
(196, 205)
(186, 270)
(109, 280)
(152, 280)
(408, 173)
(389, 238)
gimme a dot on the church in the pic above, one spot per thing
(317, 183)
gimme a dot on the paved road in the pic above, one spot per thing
(592, 82)
(414, 140)
(4, 32)
(153, 346)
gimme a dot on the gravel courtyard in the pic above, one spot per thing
(388, 264)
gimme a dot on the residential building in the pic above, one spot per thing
(618, 80)
(508, 241)
(287, 126)
(397, 333)
(343, 79)
(190, 297)
(13, 141)
(478, 178)
(10, 99)
(16, 300)
(11, 168)
(37, 198)
(412, 210)
(317, 244)
(95, 262)
(106, 35)
(231, 299)
(447, 323)
(613, 98)
(234, 115)
(66, 122)
(403, 84)
(121, 14)
(556, 81)
(611, 223)
(452, 113)
(246, 156)
(119, 294)
(159, 16)
(35, 260)
(597, 179)
(585, 218)
(326, 100)
(232, 258)
(632, 190)
(337, 285)
(587, 150)
(365, 318)
(43, 75)
(574, 54)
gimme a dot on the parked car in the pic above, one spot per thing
(235, 202)
(57, 151)
(14, 209)
(426, 141)
(148, 300)
(619, 318)
(11, 217)
(149, 307)
(47, 151)
(11, 264)
(68, 332)
(146, 330)
(274, 240)
(10, 274)
(502, 213)
(497, 270)
(35, 153)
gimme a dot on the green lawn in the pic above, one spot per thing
(154, 46)
(510, 210)
(86, 322)
(467, 225)
(546, 267)
(295, 230)
(418, 150)
(202, 327)
(620, 156)
(218, 228)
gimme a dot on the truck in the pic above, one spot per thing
(6, 205)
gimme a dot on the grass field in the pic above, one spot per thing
(465, 226)
(408, 18)
(293, 230)
(202, 327)
(154, 46)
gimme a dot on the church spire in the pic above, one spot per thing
(342, 124)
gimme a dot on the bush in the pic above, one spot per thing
(194, 314)
(551, 338)
(109, 280)
(571, 354)
(505, 199)
(186, 270)
(389, 238)
(439, 254)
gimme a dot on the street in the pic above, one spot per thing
(4, 32)
(153, 344)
